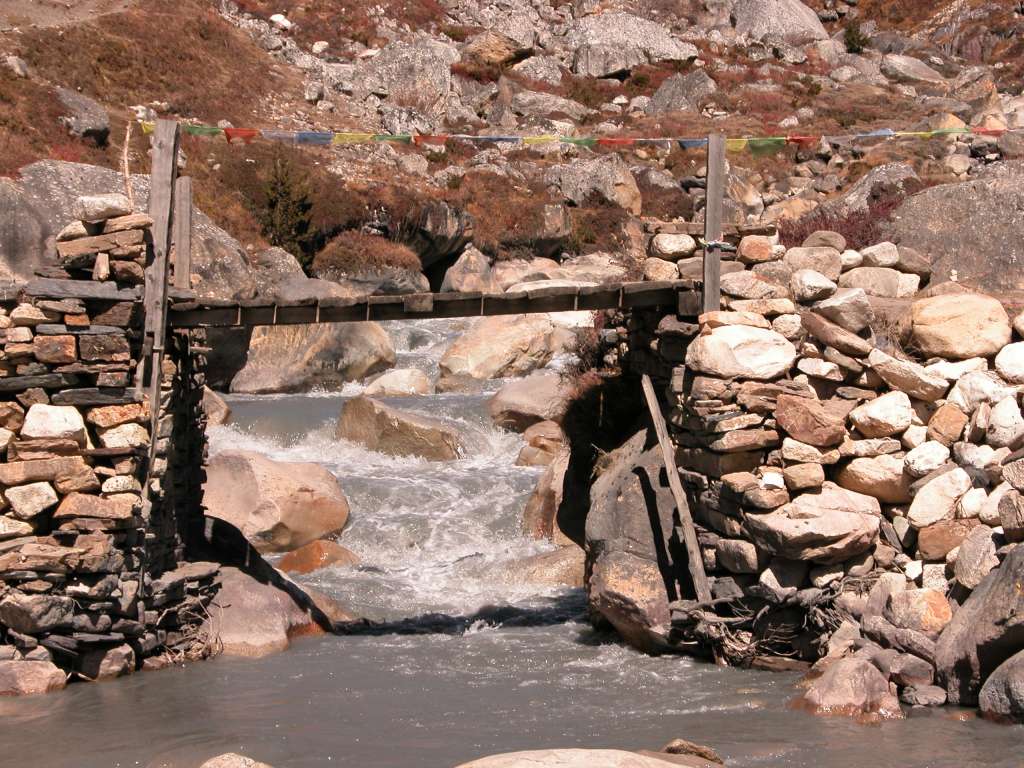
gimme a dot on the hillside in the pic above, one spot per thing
(621, 68)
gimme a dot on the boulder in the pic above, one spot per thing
(883, 282)
(823, 260)
(54, 422)
(544, 441)
(984, 632)
(96, 208)
(297, 358)
(632, 576)
(572, 758)
(498, 347)
(978, 388)
(922, 610)
(563, 567)
(743, 284)
(40, 203)
(417, 71)
(613, 42)
(252, 618)
(1005, 424)
(316, 555)
(848, 308)
(808, 285)
(878, 476)
(216, 409)
(907, 69)
(741, 351)
(936, 500)
(84, 118)
(827, 527)
(278, 506)
(107, 663)
(401, 382)
(472, 272)
(672, 247)
(881, 181)
(1002, 696)
(382, 428)
(926, 458)
(887, 415)
(960, 326)
(789, 21)
(608, 177)
(35, 614)
(682, 92)
(21, 677)
(935, 542)
(1010, 363)
(814, 422)
(946, 426)
(907, 376)
(832, 335)
(539, 397)
(541, 516)
(852, 687)
(233, 760)
(976, 557)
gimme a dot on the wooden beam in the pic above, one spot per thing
(713, 222)
(161, 206)
(694, 560)
(183, 233)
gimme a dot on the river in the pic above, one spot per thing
(512, 666)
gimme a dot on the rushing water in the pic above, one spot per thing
(517, 668)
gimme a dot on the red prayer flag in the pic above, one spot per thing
(245, 135)
(430, 138)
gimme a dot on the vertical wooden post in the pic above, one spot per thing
(695, 561)
(713, 222)
(161, 207)
(183, 233)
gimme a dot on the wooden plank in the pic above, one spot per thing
(161, 205)
(695, 562)
(183, 234)
(713, 222)
(695, 228)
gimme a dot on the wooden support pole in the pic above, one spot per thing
(713, 222)
(183, 233)
(694, 560)
(163, 178)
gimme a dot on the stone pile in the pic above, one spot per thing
(92, 532)
(835, 477)
(107, 242)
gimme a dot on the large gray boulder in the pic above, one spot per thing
(892, 178)
(84, 117)
(986, 631)
(607, 177)
(852, 687)
(614, 42)
(787, 20)
(40, 203)
(518, 405)
(298, 358)
(278, 506)
(970, 230)
(682, 92)
(1002, 696)
(410, 73)
(631, 569)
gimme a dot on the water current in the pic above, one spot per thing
(513, 666)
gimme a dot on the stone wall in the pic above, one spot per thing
(93, 538)
(850, 439)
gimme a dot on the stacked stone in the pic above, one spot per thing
(107, 242)
(91, 574)
(826, 465)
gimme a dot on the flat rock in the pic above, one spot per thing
(814, 422)
(400, 382)
(834, 335)
(884, 416)
(741, 352)
(881, 477)
(922, 610)
(539, 397)
(936, 500)
(908, 376)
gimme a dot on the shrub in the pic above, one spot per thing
(354, 251)
(285, 215)
(860, 228)
(856, 41)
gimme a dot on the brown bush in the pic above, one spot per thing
(355, 251)
(861, 228)
(597, 226)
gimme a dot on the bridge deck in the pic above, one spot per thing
(205, 313)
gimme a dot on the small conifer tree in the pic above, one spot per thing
(286, 216)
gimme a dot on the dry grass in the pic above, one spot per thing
(341, 21)
(30, 131)
(354, 251)
(176, 51)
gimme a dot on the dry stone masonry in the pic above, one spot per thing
(852, 443)
(96, 512)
